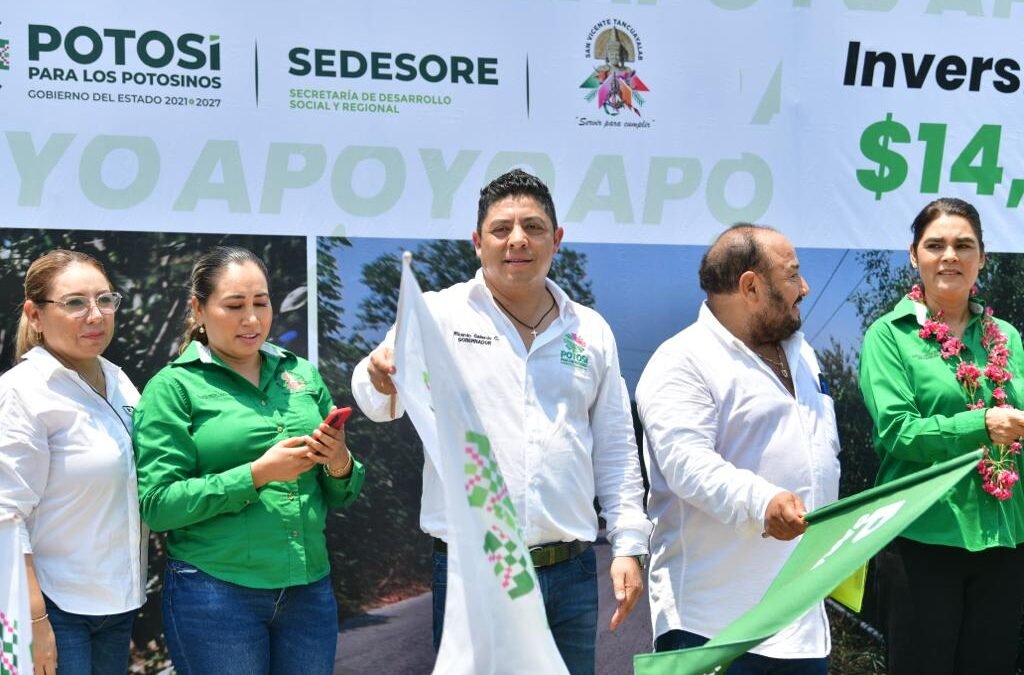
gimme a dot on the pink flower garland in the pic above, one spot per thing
(997, 468)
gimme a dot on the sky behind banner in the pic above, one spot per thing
(626, 279)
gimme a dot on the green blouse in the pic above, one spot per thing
(198, 427)
(921, 418)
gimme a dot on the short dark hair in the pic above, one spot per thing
(735, 251)
(205, 272)
(515, 183)
(946, 206)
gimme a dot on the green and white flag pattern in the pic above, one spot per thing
(15, 625)
(485, 490)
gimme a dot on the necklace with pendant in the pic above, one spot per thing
(533, 328)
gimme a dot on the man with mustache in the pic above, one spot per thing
(741, 441)
(544, 373)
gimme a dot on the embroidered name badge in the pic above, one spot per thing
(474, 338)
(574, 351)
(927, 352)
(292, 383)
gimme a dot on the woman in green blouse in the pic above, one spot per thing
(236, 466)
(933, 371)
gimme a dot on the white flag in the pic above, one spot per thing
(494, 620)
(15, 622)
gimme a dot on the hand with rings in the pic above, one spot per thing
(380, 369)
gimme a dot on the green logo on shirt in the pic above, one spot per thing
(574, 351)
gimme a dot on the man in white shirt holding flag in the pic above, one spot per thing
(543, 372)
(741, 443)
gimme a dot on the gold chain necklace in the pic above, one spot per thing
(778, 366)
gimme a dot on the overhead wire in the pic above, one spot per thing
(820, 294)
(840, 305)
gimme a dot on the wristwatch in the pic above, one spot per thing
(642, 560)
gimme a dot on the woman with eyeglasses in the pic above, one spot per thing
(67, 472)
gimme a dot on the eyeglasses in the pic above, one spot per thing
(78, 306)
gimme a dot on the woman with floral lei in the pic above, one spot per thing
(940, 376)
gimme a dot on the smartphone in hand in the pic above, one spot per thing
(338, 417)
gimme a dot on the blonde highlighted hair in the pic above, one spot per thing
(38, 282)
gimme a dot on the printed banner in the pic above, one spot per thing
(15, 621)
(840, 538)
(835, 122)
(494, 619)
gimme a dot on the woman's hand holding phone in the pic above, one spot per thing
(327, 444)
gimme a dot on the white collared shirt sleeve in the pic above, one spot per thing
(24, 461)
(375, 405)
(680, 419)
(618, 483)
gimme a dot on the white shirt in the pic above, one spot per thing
(68, 472)
(724, 436)
(558, 417)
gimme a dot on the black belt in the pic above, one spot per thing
(543, 555)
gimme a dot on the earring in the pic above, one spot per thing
(913, 264)
(202, 329)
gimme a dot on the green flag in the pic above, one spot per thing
(839, 538)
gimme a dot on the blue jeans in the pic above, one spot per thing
(748, 664)
(91, 645)
(569, 590)
(217, 627)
